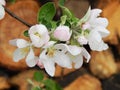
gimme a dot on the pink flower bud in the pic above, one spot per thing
(82, 40)
(62, 33)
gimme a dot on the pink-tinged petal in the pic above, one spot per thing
(86, 54)
(40, 64)
(103, 31)
(63, 60)
(2, 2)
(31, 60)
(62, 33)
(18, 55)
(21, 43)
(94, 14)
(78, 60)
(2, 12)
(45, 38)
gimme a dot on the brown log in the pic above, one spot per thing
(4, 83)
(10, 28)
(85, 82)
(102, 64)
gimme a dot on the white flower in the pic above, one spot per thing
(76, 55)
(97, 30)
(39, 35)
(2, 11)
(62, 33)
(24, 49)
(55, 54)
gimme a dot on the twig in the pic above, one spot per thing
(16, 17)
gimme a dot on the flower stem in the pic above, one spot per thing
(16, 17)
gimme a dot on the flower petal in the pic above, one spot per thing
(21, 43)
(2, 12)
(103, 31)
(74, 50)
(31, 60)
(86, 54)
(49, 44)
(13, 42)
(97, 46)
(18, 55)
(48, 63)
(78, 60)
(2, 2)
(63, 60)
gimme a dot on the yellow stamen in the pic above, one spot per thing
(37, 34)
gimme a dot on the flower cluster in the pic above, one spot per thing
(2, 11)
(63, 42)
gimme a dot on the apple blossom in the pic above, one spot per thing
(62, 33)
(54, 54)
(82, 40)
(39, 35)
(24, 49)
(97, 30)
(2, 11)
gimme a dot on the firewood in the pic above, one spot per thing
(102, 64)
(85, 82)
(10, 28)
(4, 83)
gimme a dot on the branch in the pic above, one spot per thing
(16, 17)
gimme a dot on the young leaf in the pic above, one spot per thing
(38, 76)
(26, 33)
(46, 12)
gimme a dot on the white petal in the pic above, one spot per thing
(97, 46)
(63, 60)
(103, 31)
(2, 12)
(100, 22)
(13, 42)
(49, 67)
(61, 47)
(30, 59)
(94, 14)
(21, 43)
(36, 41)
(48, 63)
(49, 44)
(45, 38)
(86, 54)
(78, 60)
(74, 50)
(42, 29)
(2, 2)
(94, 36)
(18, 55)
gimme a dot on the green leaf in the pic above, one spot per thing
(51, 85)
(46, 12)
(36, 88)
(26, 33)
(63, 19)
(61, 2)
(38, 76)
(86, 17)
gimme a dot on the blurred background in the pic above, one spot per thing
(103, 71)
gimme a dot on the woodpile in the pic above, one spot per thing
(103, 71)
